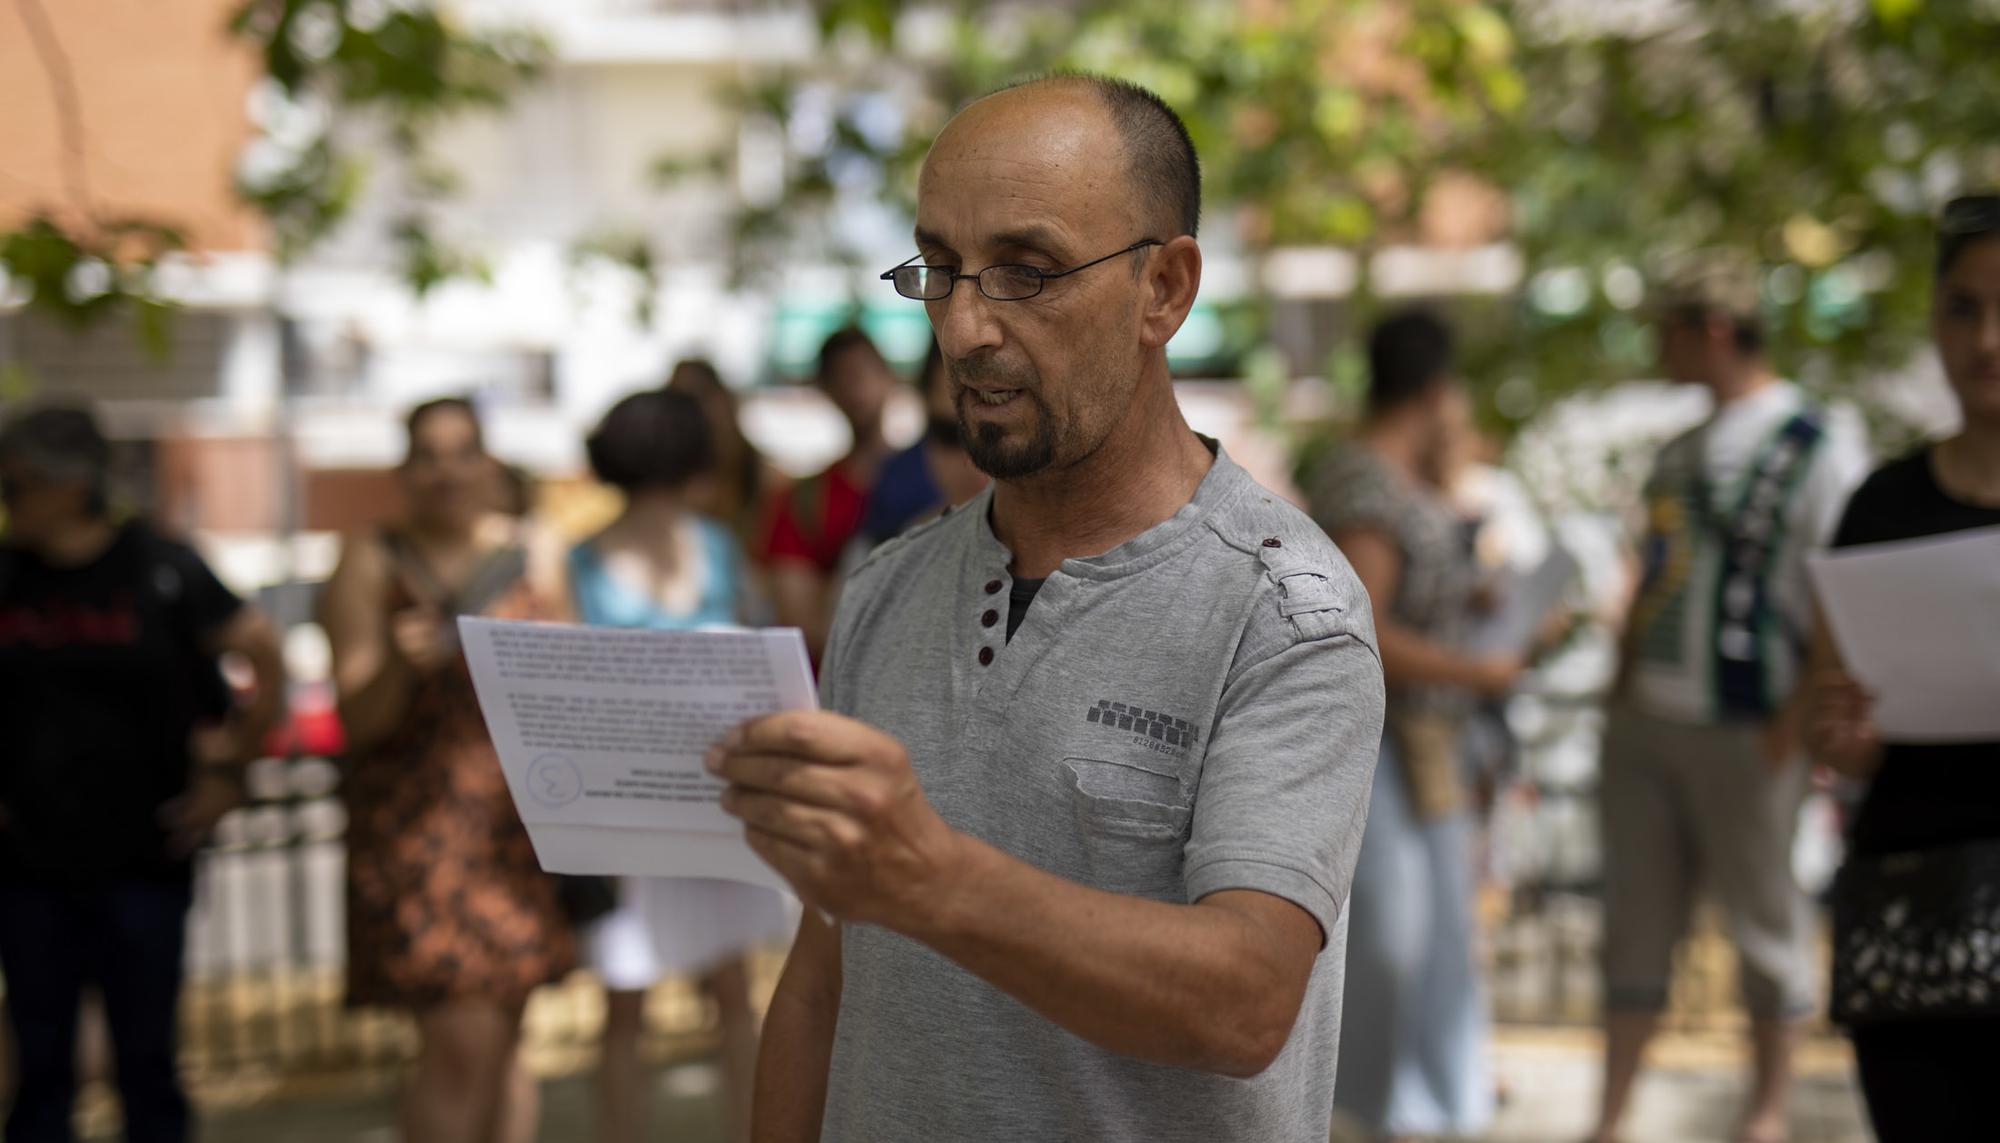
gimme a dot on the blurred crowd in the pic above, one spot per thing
(128, 740)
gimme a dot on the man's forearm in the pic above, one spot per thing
(373, 711)
(1214, 986)
(252, 723)
(797, 1046)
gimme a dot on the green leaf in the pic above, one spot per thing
(153, 320)
(18, 383)
(1896, 12)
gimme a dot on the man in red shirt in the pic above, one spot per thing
(811, 523)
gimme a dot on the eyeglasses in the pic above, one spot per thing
(1003, 283)
(1973, 214)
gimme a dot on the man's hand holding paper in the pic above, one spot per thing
(833, 805)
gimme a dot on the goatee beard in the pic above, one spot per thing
(994, 455)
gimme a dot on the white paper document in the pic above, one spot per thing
(601, 732)
(1527, 599)
(1918, 625)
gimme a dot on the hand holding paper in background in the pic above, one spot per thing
(1918, 625)
(1525, 603)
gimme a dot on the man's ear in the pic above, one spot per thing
(1169, 282)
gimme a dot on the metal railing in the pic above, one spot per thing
(267, 953)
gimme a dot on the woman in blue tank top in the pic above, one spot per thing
(660, 565)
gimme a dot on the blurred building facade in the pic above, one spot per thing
(275, 413)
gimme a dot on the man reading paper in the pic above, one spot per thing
(1085, 799)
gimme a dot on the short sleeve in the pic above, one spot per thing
(202, 600)
(1283, 795)
(1861, 518)
(1346, 492)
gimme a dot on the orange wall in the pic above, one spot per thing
(161, 91)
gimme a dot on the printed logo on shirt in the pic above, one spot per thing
(65, 624)
(1161, 733)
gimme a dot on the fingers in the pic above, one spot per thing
(781, 853)
(1834, 684)
(814, 828)
(788, 777)
(419, 634)
(190, 818)
(817, 735)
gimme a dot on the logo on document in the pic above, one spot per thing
(554, 781)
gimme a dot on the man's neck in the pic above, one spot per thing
(1734, 384)
(1398, 440)
(1144, 472)
(78, 544)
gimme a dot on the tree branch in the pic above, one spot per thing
(69, 108)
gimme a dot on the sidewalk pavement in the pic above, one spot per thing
(1691, 1095)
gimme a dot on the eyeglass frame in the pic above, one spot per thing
(1042, 276)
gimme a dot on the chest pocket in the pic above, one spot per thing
(1128, 822)
(1140, 797)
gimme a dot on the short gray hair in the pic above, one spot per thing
(1163, 166)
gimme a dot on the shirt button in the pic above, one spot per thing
(989, 619)
(986, 656)
(993, 587)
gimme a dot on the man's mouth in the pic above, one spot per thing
(993, 396)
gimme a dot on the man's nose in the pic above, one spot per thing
(965, 320)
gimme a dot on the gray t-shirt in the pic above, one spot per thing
(1196, 710)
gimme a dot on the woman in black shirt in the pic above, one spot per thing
(1924, 1069)
(122, 748)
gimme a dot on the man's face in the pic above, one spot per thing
(448, 476)
(38, 506)
(858, 382)
(1034, 178)
(1453, 433)
(1683, 348)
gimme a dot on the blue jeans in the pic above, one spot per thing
(127, 939)
(1413, 1025)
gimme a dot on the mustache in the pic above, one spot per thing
(991, 372)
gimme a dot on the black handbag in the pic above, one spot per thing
(1916, 936)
